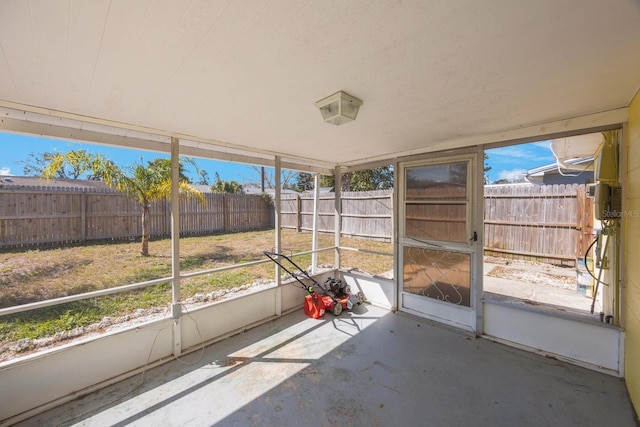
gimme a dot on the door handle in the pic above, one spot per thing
(474, 237)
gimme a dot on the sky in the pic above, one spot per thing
(15, 149)
(513, 161)
(506, 162)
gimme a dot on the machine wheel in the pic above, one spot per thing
(337, 309)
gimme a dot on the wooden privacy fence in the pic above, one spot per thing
(367, 214)
(549, 223)
(46, 215)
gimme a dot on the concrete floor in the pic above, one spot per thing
(369, 367)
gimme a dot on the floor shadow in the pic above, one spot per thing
(365, 367)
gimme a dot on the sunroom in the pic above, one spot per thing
(328, 89)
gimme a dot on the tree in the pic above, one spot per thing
(287, 177)
(304, 181)
(35, 164)
(164, 166)
(73, 164)
(368, 179)
(487, 168)
(145, 183)
(503, 181)
(327, 181)
(203, 176)
(228, 187)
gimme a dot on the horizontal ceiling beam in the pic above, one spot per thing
(41, 122)
(89, 136)
(550, 130)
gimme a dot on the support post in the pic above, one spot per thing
(278, 237)
(337, 216)
(477, 243)
(395, 213)
(316, 207)
(176, 308)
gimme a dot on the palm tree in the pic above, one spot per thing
(228, 187)
(147, 184)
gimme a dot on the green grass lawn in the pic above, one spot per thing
(35, 275)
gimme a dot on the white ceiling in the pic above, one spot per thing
(246, 74)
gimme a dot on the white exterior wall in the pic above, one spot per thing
(45, 379)
(586, 343)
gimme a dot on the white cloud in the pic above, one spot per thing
(5, 171)
(512, 175)
(543, 144)
(537, 151)
(513, 151)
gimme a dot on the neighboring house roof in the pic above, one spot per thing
(573, 168)
(202, 188)
(323, 190)
(255, 189)
(35, 181)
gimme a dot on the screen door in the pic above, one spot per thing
(437, 240)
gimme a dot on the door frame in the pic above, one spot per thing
(466, 318)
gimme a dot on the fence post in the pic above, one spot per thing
(298, 213)
(83, 216)
(584, 221)
(225, 212)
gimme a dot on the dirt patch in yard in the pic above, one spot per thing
(529, 275)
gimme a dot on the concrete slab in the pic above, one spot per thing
(369, 367)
